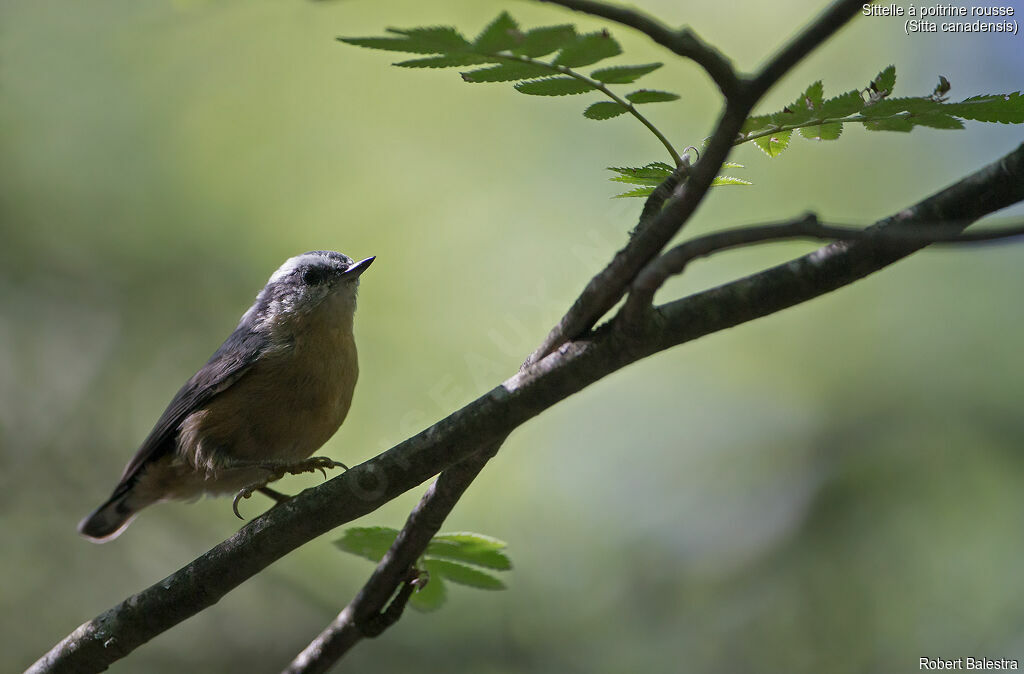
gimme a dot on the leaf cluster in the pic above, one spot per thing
(455, 557)
(514, 55)
(818, 118)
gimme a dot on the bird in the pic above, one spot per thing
(273, 393)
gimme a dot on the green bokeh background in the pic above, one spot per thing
(834, 488)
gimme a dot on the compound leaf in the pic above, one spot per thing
(588, 49)
(543, 41)
(447, 61)
(651, 96)
(507, 72)
(470, 548)
(623, 74)
(368, 542)
(1003, 108)
(502, 33)
(605, 110)
(774, 144)
(461, 574)
(554, 86)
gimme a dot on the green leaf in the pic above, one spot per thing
(810, 100)
(502, 33)
(471, 548)
(651, 96)
(605, 110)
(937, 121)
(462, 574)
(830, 131)
(543, 41)
(729, 180)
(436, 40)
(452, 61)
(588, 49)
(554, 86)
(429, 597)
(623, 74)
(917, 105)
(884, 82)
(896, 124)
(652, 174)
(368, 542)
(774, 144)
(842, 105)
(732, 164)
(1003, 108)
(507, 72)
(758, 123)
(638, 192)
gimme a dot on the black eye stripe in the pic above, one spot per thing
(314, 276)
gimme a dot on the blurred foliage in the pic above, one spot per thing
(834, 488)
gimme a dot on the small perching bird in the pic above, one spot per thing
(273, 393)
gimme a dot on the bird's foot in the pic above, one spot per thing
(277, 471)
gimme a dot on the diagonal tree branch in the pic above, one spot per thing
(675, 261)
(362, 617)
(482, 423)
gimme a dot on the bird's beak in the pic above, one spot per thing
(359, 267)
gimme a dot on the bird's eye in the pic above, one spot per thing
(314, 276)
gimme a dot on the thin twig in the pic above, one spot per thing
(675, 261)
(372, 611)
(683, 42)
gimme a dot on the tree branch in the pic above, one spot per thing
(482, 423)
(606, 288)
(361, 618)
(676, 260)
(683, 41)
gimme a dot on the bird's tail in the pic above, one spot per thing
(108, 521)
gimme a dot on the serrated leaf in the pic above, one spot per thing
(502, 33)
(638, 192)
(430, 597)
(756, 123)
(543, 41)
(652, 174)
(917, 105)
(1003, 108)
(896, 124)
(554, 86)
(605, 110)
(937, 121)
(884, 81)
(729, 180)
(588, 49)
(507, 72)
(435, 40)
(774, 144)
(448, 61)
(842, 105)
(651, 96)
(624, 74)
(368, 542)
(810, 100)
(462, 574)
(470, 548)
(732, 164)
(830, 131)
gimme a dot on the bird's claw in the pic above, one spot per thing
(244, 492)
(311, 465)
